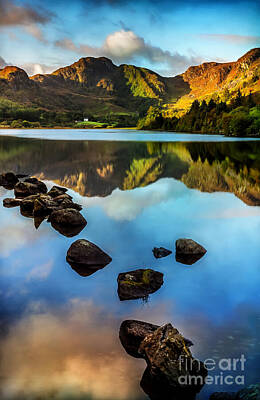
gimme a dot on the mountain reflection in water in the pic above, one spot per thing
(59, 331)
(97, 168)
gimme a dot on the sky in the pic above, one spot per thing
(166, 36)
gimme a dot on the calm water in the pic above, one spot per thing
(59, 331)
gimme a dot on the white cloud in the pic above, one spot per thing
(125, 46)
(40, 272)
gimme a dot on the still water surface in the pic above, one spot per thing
(59, 330)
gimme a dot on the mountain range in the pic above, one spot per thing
(96, 85)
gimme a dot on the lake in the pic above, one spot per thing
(59, 330)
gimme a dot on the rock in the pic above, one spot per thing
(25, 189)
(38, 221)
(21, 176)
(251, 392)
(170, 366)
(59, 199)
(44, 205)
(8, 180)
(9, 203)
(138, 284)
(57, 191)
(160, 252)
(27, 205)
(42, 188)
(133, 332)
(188, 251)
(67, 203)
(68, 222)
(86, 258)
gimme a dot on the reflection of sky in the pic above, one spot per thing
(213, 302)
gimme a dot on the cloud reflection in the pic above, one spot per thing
(127, 205)
(67, 354)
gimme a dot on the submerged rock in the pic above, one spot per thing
(160, 252)
(133, 332)
(188, 251)
(8, 180)
(86, 258)
(68, 222)
(10, 203)
(170, 368)
(138, 284)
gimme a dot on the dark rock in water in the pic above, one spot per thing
(8, 180)
(170, 366)
(62, 197)
(188, 251)
(86, 258)
(68, 222)
(251, 392)
(10, 203)
(133, 332)
(67, 203)
(25, 189)
(44, 205)
(57, 191)
(138, 284)
(27, 205)
(160, 252)
(38, 221)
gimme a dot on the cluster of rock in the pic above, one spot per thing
(55, 205)
(170, 364)
(34, 200)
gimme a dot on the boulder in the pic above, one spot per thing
(67, 203)
(65, 196)
(44, 205)
(27, 205)
(188, 251)
(57, 191)
(86, 258)
(160, 252)
(170, 368)
(68, 222)
(25, 189)
(138, 284)
(10, 203)
(8, 180)
(133, 332)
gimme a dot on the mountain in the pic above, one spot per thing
(96, 85)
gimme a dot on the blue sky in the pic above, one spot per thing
(166, 36)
